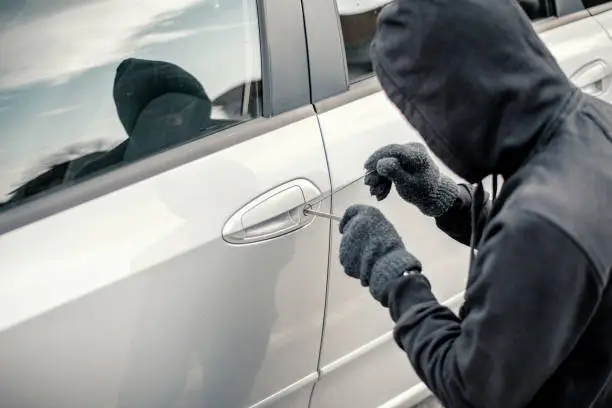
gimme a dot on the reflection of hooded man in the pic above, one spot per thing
(192, 312)
(160, 105)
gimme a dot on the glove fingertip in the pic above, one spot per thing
(388, 167)
(350, 212)
(373, 190)
(372, 179)
(386, 190)
(380, 188)
(383, 194)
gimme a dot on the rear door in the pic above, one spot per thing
(154, 157)
(601, 10)
(600, 73)
(360, 364)
(580, 44)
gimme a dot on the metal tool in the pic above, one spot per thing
(332, 192)
(308, 208)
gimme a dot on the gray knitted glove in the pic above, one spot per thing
(416, 177)
(372, 251)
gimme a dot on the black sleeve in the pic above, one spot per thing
(457, 221)
(530, 301)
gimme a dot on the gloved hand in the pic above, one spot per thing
(372, 251)
(416, 177)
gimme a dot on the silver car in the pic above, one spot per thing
(155, 160)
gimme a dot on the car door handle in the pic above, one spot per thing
(592, 78)
(272, 214)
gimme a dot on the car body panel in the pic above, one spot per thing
(135, 296)
(603, 15)
(352, 132)
(579, 45)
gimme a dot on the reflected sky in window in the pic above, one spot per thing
(58, 61)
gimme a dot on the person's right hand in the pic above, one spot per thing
(416, 177)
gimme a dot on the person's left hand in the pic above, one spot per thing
(372, 251)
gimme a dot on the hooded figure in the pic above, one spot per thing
(160, 106)
(488, 98)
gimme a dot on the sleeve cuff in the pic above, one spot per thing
(408, 291)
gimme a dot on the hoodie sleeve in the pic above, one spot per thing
(529, 302)
(457, 221)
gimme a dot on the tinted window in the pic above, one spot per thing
(537, 9)
(593, 3)
(358, 22)
(89, 85)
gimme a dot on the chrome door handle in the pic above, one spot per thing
(592, 78)
(272, 214)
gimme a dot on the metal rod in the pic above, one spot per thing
(322, 214)
(337, 190)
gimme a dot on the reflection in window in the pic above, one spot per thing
(358, 21)
(89, 86)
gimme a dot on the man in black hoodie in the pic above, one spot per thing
(488, 98)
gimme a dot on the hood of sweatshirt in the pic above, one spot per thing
(481, 91)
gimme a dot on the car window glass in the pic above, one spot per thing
(88, 85)
(358, 23)
(593, 3)
(537, 9)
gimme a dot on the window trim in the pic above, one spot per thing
(326, 56)
(285, 76)
(550, 23)
(602, 8)
(286, 99)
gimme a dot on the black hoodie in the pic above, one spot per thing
(487, 96)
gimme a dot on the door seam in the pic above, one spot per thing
(327, 272)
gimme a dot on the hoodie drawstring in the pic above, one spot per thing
(494, 187)
(476, 210)
(478, 203)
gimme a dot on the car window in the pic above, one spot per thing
(593, 3)
(358, 23)
(87, 85)
(537, 9)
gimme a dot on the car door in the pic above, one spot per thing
(155, 157)
(360, 364)
(601, 10)
(581, 45)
